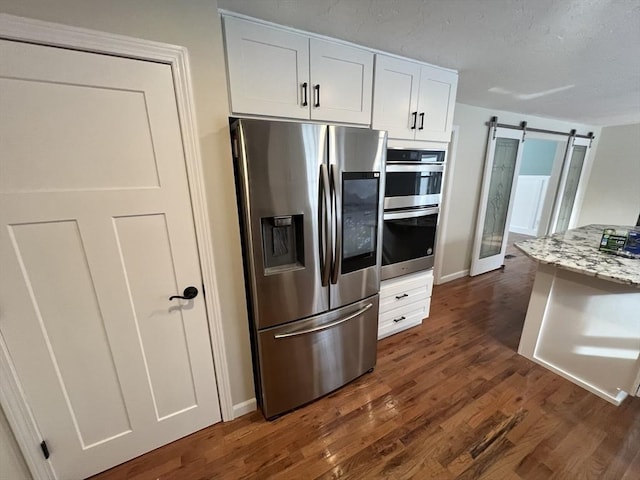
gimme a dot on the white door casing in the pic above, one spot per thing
(83, 254)
(504, 195)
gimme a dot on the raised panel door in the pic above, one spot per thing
(395, 98)
(342, 79)
(268, 69)
(436, 104)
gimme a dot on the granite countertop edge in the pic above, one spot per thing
(582, 243)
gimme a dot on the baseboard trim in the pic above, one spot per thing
(453, 276)
(245, 407)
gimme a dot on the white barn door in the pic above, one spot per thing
(502, 164)
(96, 233)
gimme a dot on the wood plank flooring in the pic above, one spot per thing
(450, 399)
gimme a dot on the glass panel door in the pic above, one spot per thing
(496, 199)
(565, 213)
(359, 220)
(500, 185)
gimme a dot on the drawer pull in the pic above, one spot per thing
(396, 320)
(398, 297)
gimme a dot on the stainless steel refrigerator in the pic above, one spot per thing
(310, 202)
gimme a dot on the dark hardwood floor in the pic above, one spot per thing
(450, 399)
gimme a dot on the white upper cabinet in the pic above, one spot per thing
(342, 79)
(413, 101)
(279, 73)
(268, 69)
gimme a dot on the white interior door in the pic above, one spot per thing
(96, 232)
(496, 199)
(565, 213)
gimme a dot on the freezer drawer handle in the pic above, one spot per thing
(398, 297)
(328, 325)
(396, 320)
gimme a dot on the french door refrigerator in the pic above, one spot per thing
(310, 199)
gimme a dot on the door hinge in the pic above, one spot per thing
(45, 450)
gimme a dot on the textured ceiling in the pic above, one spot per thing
(569, 59)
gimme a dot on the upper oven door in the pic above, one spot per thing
(413, 185)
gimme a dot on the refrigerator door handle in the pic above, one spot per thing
(328, 325)
(325, 226)
(337, 216)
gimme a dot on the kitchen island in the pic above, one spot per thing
(583, 320)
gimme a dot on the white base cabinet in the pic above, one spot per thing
(280, 73)
(413, 101)
(404, 302)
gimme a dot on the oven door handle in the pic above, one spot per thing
(422, 167)
(420, 212)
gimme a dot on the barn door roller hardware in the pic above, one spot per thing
(493, 123)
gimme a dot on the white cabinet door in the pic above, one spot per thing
(342, 78)
(96, 232)
(268, 69)
(395, 100)
(436, 103)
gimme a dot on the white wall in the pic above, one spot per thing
(613, 190)
(467, 177)
(194, 24)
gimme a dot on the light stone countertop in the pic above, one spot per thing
(577, 250)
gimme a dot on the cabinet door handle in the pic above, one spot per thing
(415, 120)
(398, 297)
(396, 320)
(317, 95)
(304, 93)
(421, 121)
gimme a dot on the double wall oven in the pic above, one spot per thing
(413, 194)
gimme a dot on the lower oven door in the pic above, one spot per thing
(408, 241)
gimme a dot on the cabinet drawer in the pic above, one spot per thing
(402, 318)
(402, 298)
(406, 289)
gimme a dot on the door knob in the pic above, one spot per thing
(187, 294)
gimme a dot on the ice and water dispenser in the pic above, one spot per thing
(282, 243)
